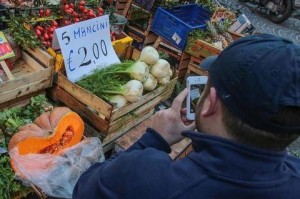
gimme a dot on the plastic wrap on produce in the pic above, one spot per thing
(57, 175)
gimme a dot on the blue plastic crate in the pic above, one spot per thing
(175, 24)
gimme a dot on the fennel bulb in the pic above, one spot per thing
(150, 83)
(149, 55)
(118, 100)
(160, 69)
(164, 80)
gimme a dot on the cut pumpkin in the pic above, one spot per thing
(50, 133)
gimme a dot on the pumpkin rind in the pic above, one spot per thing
(67, 132)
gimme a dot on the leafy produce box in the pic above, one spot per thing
(175, 24)
(32, 72)
(201, 48)
(103, 115)
(31, 115)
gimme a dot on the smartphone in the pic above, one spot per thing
(195, 85)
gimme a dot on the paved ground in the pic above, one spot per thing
(289, 29)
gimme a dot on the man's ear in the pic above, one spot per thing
(210, 105)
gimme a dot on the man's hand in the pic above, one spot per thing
(171, 122)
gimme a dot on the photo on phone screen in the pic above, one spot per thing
(195, 93)
(196, 85)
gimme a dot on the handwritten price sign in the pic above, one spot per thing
(85, 46)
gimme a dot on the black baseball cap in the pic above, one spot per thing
(255, 77)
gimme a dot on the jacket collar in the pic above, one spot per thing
(230, 159)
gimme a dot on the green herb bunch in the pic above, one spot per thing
(23, 37)
(106, 79)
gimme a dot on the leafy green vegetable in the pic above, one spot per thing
(8, 185)
(10, 121)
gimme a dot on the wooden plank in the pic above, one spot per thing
(6, 70)
(133, 115)
(145, 98)
(19, 82)
(81, 109)
(26, 89)
(31, 62)
(20, 101)
(44, 57)
(108, 142)
(85, 96)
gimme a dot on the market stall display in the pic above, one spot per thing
(113, 103)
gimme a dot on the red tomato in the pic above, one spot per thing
(47, 12)
(81, 3)
(80, 7)
(54, 23)
(100, 11)
(71, 5)
(41, 12)
(76, 20)
(46, 37)
(66, 7)
(38, 32)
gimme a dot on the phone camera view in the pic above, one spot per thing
(195, 92)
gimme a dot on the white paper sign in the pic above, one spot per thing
(85, 46)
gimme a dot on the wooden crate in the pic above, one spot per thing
(141, 38)
(122, 6)
(199, 48)
(179, 150)
(88, 132)
(143, 25)
(194, 68)
(100, 113)
(33, 72)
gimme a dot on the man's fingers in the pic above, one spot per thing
(177, 103)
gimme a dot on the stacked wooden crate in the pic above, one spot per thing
(31, 74)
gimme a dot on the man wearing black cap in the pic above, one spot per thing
(248, 114)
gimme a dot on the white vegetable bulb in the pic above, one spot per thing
(164, 80)
(133, 90)
(170, 73)
(160, 69)
(139, 71)
(149, 55)
(150, 84)
(118, 100)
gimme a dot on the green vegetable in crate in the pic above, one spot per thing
(118, 100)
(149, 55)
(138, 70)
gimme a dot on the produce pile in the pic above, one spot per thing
(127, 81)
(41, 23)
(10, 121)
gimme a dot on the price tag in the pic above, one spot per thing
(85, 46)
(5, 48)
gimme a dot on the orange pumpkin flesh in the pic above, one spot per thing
(68, 132)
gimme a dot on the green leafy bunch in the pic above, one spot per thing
(23, 37)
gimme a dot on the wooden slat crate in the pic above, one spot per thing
(193, 67)
(142, 22)
(122, 6)
(199, 48)
(100, 113)
(140, 38)
(22, 102)
(179, 150)
(33, 72)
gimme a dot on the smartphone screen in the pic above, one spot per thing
(195, 93)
